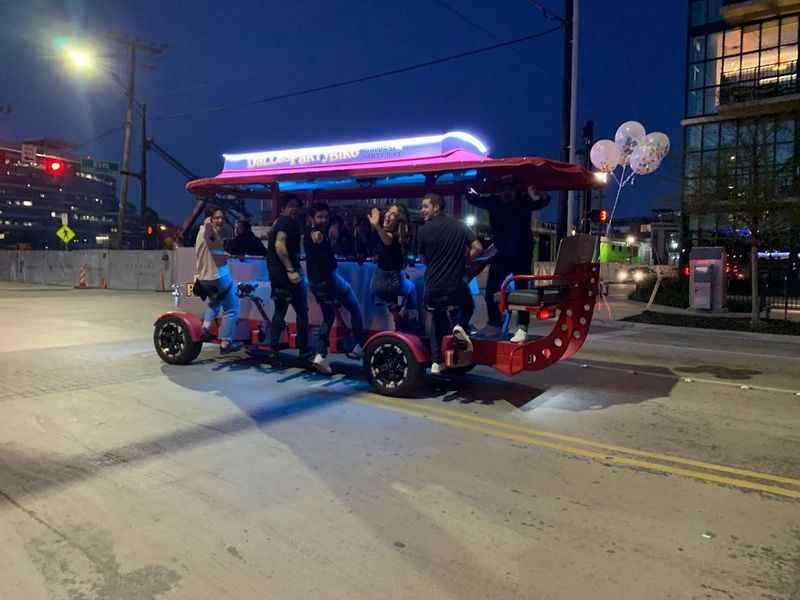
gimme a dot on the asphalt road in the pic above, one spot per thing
(658, 463)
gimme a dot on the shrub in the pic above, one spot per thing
(672, 292)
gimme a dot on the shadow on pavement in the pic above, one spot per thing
(481, 389)
(720, 372)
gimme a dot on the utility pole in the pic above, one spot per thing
(126, 146)
(132, 45)
(143, 171)
(566, 215)
(586, 203)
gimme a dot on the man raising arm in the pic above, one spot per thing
(510, 214)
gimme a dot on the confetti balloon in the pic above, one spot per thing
(660, 141)
(645, 159)
(629, 135)
(605, 156)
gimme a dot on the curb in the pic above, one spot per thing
(738, 335)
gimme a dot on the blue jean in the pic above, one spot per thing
(227, 303)
(328, 294)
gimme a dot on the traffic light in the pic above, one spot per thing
(150, 230)
(599, 215)
(55, 166)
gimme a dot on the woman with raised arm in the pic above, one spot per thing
(390, 281)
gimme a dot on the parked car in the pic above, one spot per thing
(635, 274)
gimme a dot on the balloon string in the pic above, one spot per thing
(620, 184)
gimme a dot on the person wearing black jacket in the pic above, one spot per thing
(244, 242)
(510, 214)
(328, 287)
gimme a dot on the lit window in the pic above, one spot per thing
(789, 30)
(788, 55)
(733, 41)
(769, 34)
(750, 38)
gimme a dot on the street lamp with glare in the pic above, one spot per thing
(631, 240)
(80, 59)
(601, 177)
(470, 220)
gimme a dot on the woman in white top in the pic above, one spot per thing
(215, 282)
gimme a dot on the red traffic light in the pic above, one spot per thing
(55, 166)
(599, 215)
(150, 230)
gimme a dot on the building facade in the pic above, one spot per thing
(41, 186)
(741, 71)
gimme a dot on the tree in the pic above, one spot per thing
(752, 187)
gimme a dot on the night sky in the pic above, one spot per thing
(631, 67)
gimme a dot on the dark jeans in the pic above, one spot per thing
(501, 268)
(283, 297)
(388, 286)
(328, 295)
(447, 310)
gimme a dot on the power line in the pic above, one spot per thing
(449, 7)
(366, 78)
(101, 136)
(547, 13)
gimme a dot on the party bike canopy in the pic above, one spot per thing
(446, 163)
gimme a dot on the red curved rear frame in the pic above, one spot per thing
(571, 328)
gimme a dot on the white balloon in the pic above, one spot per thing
(605, 156)
(660, 141)
(645, 159)
(629, 135)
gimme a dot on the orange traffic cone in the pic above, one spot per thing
(82, 278)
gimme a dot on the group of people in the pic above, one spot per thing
(445, 244)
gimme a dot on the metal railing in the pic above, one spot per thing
(778, 293)
(758, 83)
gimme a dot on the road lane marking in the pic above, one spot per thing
(537, 438)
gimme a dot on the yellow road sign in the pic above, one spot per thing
(65, 234)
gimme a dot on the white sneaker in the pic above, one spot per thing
(520, 335)
(322, 365)
(436, 368)
(357, 352)
(461, 334)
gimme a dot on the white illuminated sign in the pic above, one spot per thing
(361, 152)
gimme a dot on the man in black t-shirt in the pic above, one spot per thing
(510, 214)
(286, 276)
(328, 287)
(444, 244)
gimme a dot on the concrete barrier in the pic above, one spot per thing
(123, 270)
(8, 266)
(140, 270)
